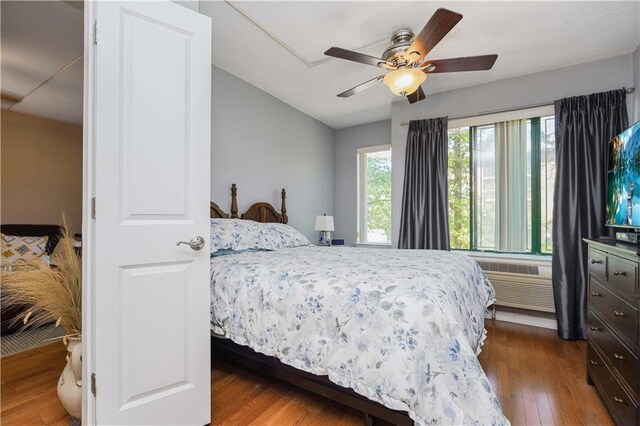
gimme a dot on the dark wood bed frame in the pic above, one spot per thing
(231, 352)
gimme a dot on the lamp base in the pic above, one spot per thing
(324, 238)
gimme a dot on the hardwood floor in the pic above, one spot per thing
(539, 379)
(240, 397)
(29, 381)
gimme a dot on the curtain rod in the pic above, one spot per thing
(629, 90)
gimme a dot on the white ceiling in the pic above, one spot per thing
(42, 45)
(528, 37)
(278, 47)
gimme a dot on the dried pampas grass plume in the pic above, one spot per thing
(49, 294)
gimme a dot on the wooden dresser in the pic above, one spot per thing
(614, 345)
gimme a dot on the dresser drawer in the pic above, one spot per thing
(623, 408)
(623, 274)
(622, 359)
(620, 315)
(598, 262)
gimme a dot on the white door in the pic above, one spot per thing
(150, 127)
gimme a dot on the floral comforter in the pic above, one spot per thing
(401, 327)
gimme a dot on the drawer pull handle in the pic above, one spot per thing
(616, 273)
(618, 400)
(596, 262)
(616, 356)
(595, 328)
(595, 294)
(593, 362)
(618, 314)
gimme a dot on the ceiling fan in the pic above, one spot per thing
(405, 58)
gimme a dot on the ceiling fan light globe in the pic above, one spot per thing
(405, 81)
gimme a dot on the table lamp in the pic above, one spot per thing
(324, 224)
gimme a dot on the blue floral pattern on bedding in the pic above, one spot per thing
(280, 235)
(234, 234)
(401, 327)
(238, 235)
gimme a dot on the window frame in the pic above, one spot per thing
(543, 242)
(361, 193)
(536, 188)
(473, 122)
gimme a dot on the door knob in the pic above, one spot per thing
(196, 243)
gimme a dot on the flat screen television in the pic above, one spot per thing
(623, 179)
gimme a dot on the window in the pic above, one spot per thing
(374, 194)
(501, 181)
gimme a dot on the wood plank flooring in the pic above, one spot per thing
(539, 380)
(28, 386)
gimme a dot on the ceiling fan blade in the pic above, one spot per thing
(350, 55)
(470, 63)
(438, 26)
(416, 96)
(360, 87)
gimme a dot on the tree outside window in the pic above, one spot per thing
(374, 188)
(501, 179)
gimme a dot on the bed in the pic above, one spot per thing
(392, 333)
(10, 313)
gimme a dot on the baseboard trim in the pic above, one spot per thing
(524, 318)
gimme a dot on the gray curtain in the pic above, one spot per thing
(424, 221)
(584, 126)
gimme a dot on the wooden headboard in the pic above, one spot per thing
(260, 212)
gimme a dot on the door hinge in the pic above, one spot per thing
(95, 32)
(93, 207)
(93, 384)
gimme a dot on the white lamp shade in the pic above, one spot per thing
(324, 223)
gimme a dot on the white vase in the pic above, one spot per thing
(70, 383)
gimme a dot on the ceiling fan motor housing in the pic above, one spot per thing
(400, 42)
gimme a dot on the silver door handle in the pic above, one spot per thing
(196, 243)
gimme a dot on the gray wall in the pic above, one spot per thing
(347, 142)
(520, 92)
(636, 84)
(264, 145)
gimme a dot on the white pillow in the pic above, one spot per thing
(278, 235)
(234, 234)
(239, 235)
